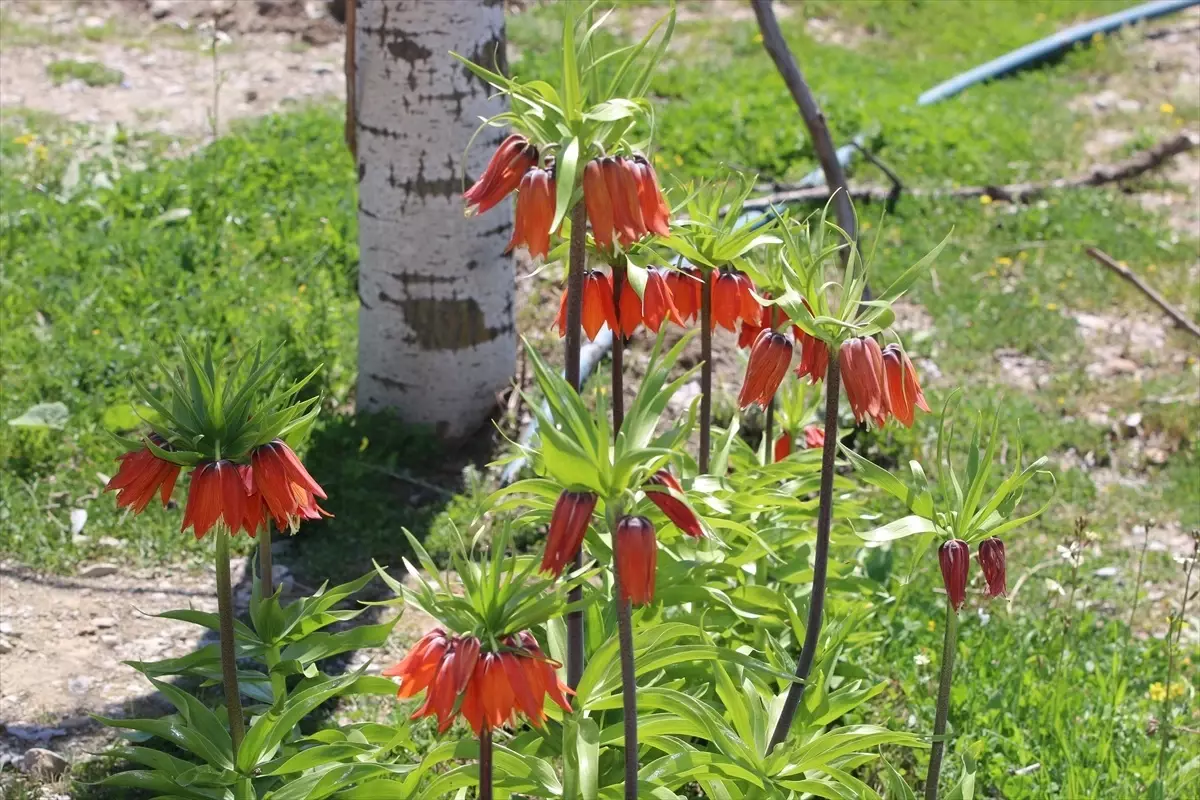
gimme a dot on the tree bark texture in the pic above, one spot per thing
(437, 340)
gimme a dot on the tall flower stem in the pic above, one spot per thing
(485, 763)
(618, 356)
(576, 265)
(233, 701)
(705, 370)
(769, 434)
(816, 605)
(1174, 631)
(628, 678)
(265, 575)
(943, 703)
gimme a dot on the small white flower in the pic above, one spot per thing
(984, 617)
(921, 660)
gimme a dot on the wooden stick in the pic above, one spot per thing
(1128, 274)
(814, 120)
(1011, 193)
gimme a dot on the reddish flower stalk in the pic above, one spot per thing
(568, 524)
(673, 507)
(991, 560)
(141, 475)
(954, 557)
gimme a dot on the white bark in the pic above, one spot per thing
(436, 333)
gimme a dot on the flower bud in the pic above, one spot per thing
(637, 558)
(568, 523)
(991, 561)
(675, 509)
(955, 559)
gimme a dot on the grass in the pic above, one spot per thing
(92, 73)
(254, 238)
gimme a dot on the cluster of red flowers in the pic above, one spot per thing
(638, 547)
(621, 195)
(880, 384)
(491, 686)
(954, 558)
(670, 295)
(241, 496)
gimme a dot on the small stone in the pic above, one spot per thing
(161, 8)
(93, 22)
(44, 763)
(104, 622)
(6, 629)
(110, 640)
(98, 570)
(322, 69)
(80, 684)
(5, 646)
(110, 541)
(1156, 455)
(1133, 420)
(250, 95)
(79, 518)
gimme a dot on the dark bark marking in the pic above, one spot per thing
(391, 383)
(409, 278)
(384, 132)
(491, 53)
(424, 187)
(441, 324)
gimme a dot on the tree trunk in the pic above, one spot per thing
(436, 333)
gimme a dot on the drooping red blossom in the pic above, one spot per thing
(284, 485)
(955, 559)
(814, 436)
(492, 686)
(770, 317)
(655, 213)
(675, 509)
(783, 447)
(991, 560)
(623, 192)
(863, 377)
(599, 204)
(684, 286)
(629, 310)
(748, 308)
(598, 309)
(217, 494)
(568, 523)
(726, 299)
(770, 358)
(637, 558)
(141, 475)
(503, 173)
(255, 513)
(903, 387)
(535, 213)
(657, 303)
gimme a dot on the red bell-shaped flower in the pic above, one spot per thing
(535, 213)
(684, 286)
(629, 309)
(814, 437)
(863, 377)
(568, 523)
(770, 358)
(217, 493)
(599, 204)
(657, 303)
(655, 213)
(283, 483)
(903, 387)
(503, 174)
(637, 559)
(991, 561)
(783, 447)
(675, 509)
(598, 309)
(141, 475)
(955, 559)
(623, 192)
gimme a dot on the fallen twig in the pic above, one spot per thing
(1010, 193)
(1129, 275)
(897, 184)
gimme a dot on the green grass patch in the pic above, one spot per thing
(93, 73)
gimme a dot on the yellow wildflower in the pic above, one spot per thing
(24, 139)
(1176, 690)
(931, 626)
(1157, 692)
(1052, 306)
(1004, 261)
(1167, 108)
(985, 199)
